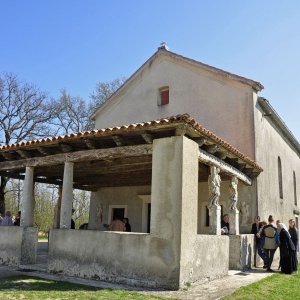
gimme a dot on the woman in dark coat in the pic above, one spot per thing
(287, 250)
(294, 237)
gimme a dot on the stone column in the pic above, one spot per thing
(233, 211)
(96, 211)
(56, 217)
(214, 183)
(67, 196)
(28, 199)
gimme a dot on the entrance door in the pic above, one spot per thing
(148, 217)
(118, 213)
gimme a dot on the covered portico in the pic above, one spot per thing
(167, 158)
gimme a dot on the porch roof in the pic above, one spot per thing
(115, 156)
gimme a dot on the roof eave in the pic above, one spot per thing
(273, 115)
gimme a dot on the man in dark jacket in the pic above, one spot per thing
(225, 224)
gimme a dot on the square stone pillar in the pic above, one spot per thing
(56, 217)
(215, 220)
(174, 200)
(67, 196)
(96, 211)
(28, 199)
(234, 222)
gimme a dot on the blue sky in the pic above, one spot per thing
(74, 44)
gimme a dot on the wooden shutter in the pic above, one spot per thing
(164, 97)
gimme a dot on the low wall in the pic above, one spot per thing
(241, 251)
(130, 258)
(29, 245)
(17, 245)
(209, 258)
(10, 245)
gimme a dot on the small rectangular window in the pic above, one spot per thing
(164, 95)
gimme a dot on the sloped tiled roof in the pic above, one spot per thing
(118, 130)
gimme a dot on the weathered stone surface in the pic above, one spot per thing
(10, 245)
(18, 245)
(29, 245)
(131, 258)
(241, 251)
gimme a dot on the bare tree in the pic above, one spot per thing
(72, 114)
(25, 112)
(103, 91)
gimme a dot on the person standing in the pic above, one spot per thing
(225, 227)
(294, 237)
(17, 219)
(7, 220)
(127, 225)
(116, 225)
(254, 230)
(269, 233)
(256, 226)
(72, 220)
(287, 250)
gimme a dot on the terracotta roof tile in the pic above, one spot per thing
(185, 118)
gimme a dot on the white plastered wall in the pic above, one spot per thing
(220, 104)
(271, 144)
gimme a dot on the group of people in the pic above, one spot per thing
(119, 225)
(269, 237)
(9, 220)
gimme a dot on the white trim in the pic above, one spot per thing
(209, 159)
(146, 200)
(110, 210)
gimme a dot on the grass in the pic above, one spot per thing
(278, 286)
(43, 239)
(28, 287)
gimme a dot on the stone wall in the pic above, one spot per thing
(241, 251)
(171, 254)
(209, 258)
(130, 258)
(18, 245)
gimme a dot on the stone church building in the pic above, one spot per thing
(177, 146)
(169, 84)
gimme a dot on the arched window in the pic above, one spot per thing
(280, 178)
(295, 188)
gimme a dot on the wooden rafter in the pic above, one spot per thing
(86, 155)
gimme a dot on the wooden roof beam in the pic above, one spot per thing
(221, 154)
(85, 155)
(7, 155)
(90, 143)
(148, 138)
(212, 148)
(119, 140)
(24, 153)
(200, 141)
(44, 150)
(65, 147)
